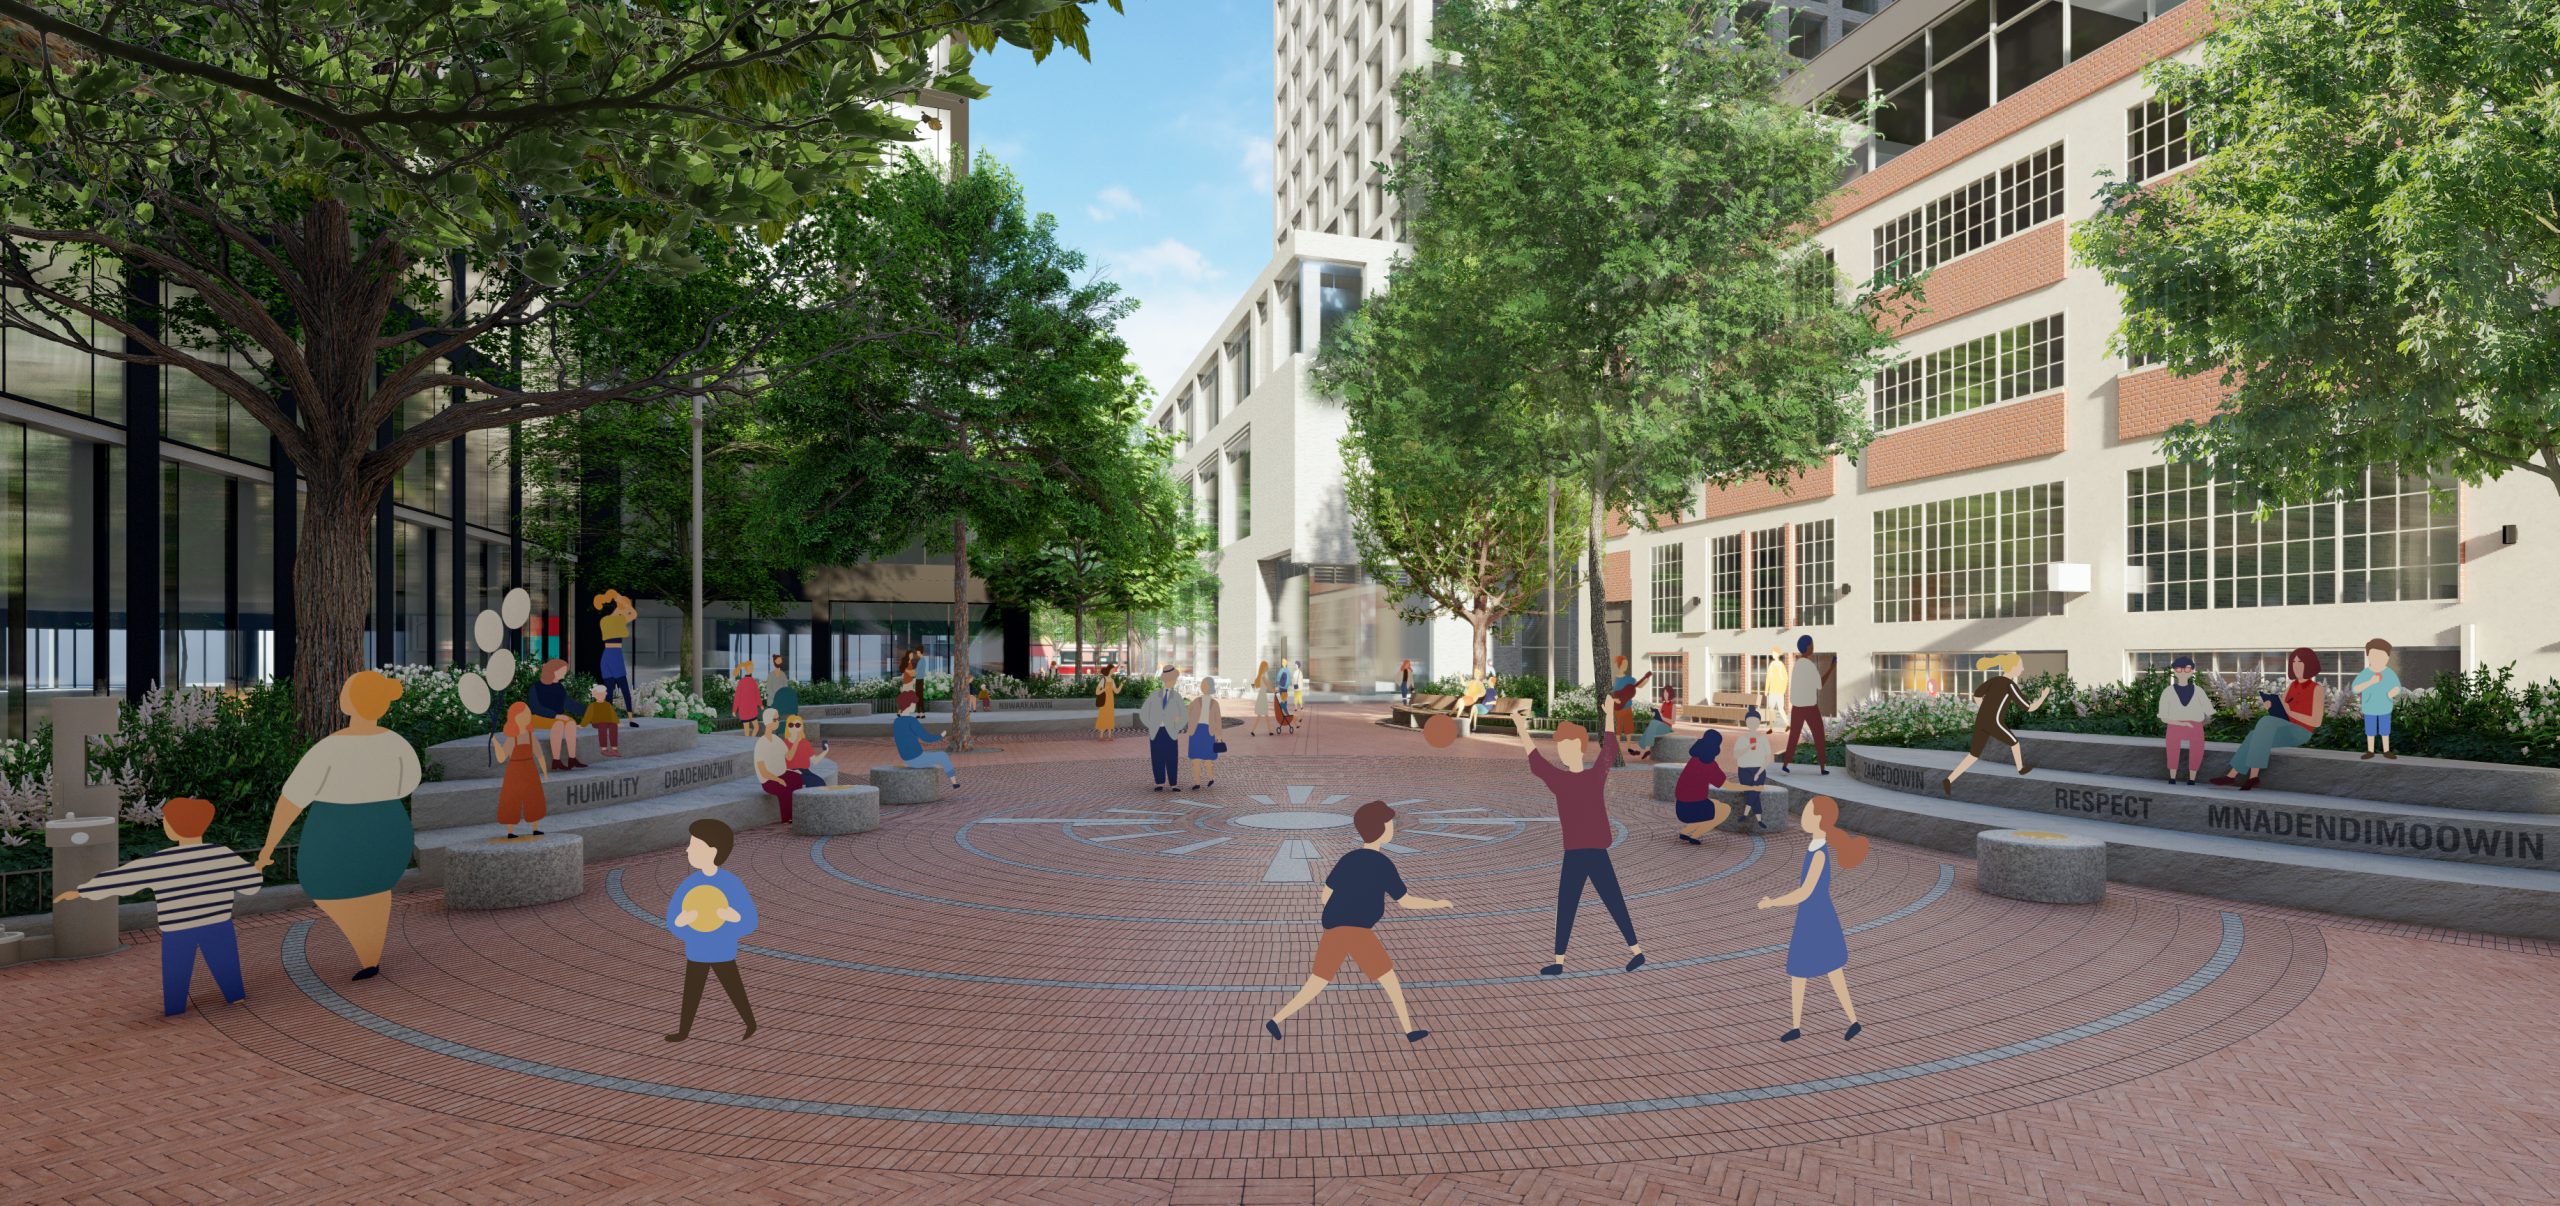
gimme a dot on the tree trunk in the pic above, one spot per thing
(690, 673)
(1082, 659)
(1600, 650)
(1477, 622)
(959, 736)
(332, 596)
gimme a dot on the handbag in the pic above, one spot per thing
(1222, 747)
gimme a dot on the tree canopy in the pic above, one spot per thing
(2369, 253)
(1005, 394)
(1636, 204)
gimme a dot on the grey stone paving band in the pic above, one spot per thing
(613, 888)
(297, 966)
(818, 855)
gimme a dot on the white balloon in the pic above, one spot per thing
(474, 691)
(488, 632)
(516, 608)
(501, 670)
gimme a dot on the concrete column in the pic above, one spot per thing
(82, 832)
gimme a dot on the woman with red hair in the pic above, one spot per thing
(2290, 720)
(1818, 946)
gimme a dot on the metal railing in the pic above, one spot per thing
(30, 890)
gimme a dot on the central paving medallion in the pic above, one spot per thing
(1293, 820)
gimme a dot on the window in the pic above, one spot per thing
(1240, 355)
(2155, 139)
(1208, 387)
(1241, 461)
(1943, 75)
(1769, 578)
(2388, 540)
(2020, 362)
(1724, 556)
(1816, 589)
(1670, 588)
(1339, 298)
(1184, 409)
(1670, 674)
(2167, 510)
(1729, 672)
(1982, 556)
(1209, 506)
(1950, 673)
(1805, 33)
(2016, 198)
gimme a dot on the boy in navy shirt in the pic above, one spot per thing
(1355, 896)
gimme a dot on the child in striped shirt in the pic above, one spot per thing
(192, 883)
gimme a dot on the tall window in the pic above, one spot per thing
(1816, 586)
(2389, 539)
(1183, 410)
(1934, 673)
(1670, 588)
(1982, 556)
(2016, 198)
(1242, 461)
(1729, 672)
(1240, 355)
(1945, 74)
(1724, 558)
(2155, 139)
(1769, 578)
(1208, 386)
(2021, 362)
(1209, 504)
(1339, 298)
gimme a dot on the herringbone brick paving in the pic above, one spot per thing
(2332, 1062)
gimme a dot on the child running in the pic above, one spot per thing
(1354, 898)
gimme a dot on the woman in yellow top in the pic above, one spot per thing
(613, 669)
(1467, 703)
(1106, 697)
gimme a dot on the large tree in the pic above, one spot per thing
(1132, 542)
(2370, 252)
(262, 195)
(1442, 501)
(1008, 392)
(1639, 203)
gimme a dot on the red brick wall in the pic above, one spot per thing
(2171, 33)
(1616, 581)
(2154, 400)
(2013, 267)
(1613, 525)
(2014, 431)
(1742, 498)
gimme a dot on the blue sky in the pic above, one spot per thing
(1155, 156)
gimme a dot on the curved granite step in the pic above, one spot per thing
(2503, 839)
(468, 758)
(605, 781)
(2440, 782)
(2417, 891)
(616, 830)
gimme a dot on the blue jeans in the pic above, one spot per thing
(220, 946)
(936, 759)
(2272, 733)
(1592, 867)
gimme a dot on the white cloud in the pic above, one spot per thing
(1173, 323)
(1167, 259)
(1256, 162)
(1111, 203)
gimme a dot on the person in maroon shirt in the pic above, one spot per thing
(1583, 810)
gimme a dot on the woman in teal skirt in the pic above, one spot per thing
(1818, 946)
(355, 783)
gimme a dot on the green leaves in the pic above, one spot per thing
(2369, 249)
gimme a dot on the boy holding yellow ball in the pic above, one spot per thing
(709, 913)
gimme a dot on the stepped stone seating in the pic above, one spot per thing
(636, 804)
(2358, 848)
(907, 784)
(826, 811)
(831, 711)
(641, 737)
(1776, 808)
(2040, 865)
(510, 874)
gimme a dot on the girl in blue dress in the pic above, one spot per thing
(1818, 947)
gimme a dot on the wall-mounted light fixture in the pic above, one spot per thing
(2507, 534)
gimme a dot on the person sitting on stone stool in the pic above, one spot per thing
(909, 733)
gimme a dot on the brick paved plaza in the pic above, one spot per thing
(1050, 987)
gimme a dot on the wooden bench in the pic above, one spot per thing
(1511, 710)
(1725, 707)
(1423, 708)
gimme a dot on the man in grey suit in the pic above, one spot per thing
(1163, 716)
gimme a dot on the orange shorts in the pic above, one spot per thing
(1356, 944)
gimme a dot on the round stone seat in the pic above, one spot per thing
(826, 811)
(1672, 749)
(907, 784)
(508, 874)
(2044, 867)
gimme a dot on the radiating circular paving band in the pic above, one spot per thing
(1006, 983)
